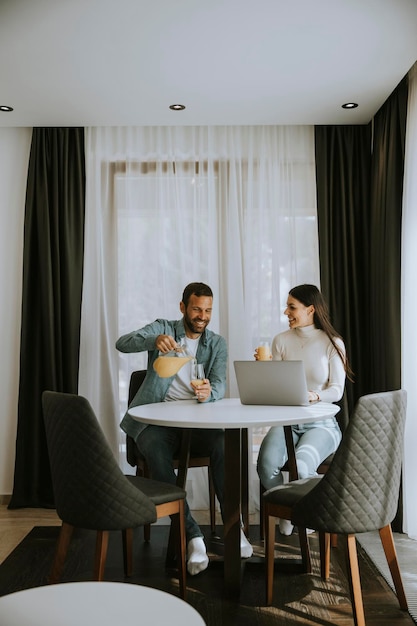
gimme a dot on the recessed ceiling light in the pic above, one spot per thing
(177, 107)
(350, 105)
(5, 108)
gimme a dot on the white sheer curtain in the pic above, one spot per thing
(409, 307)
(234, 207)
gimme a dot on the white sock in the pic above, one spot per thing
(285, 527)
(197, 559)
(246, 549)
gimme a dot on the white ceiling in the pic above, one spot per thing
(123, 62)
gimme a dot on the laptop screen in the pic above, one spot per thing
(277, 383)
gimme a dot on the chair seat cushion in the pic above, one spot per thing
(290, 493)
(157, 491)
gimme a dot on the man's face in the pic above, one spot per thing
(197, 314)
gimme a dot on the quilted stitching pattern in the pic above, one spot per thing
(360, 490)
(90, 489)
(291, 493)
(157, 491)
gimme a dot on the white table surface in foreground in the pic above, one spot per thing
(95, 603)
(229, 413)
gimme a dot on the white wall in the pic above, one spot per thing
(14, 158)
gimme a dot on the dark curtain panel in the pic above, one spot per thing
(51, 300)
(385, 248)
(385, 242)
(343, 172)
(359, 197)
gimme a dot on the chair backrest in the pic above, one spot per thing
(360, 490)
(90, 489)
(136, 379)
(342, 417)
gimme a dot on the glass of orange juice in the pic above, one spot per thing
(264, 351)
(197, 374)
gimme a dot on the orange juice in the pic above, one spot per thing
(264, 352)
(166, 366)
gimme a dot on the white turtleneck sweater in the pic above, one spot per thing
(324, 369)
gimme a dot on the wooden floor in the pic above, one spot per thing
(15, 525)
(298, 598)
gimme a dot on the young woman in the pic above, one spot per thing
(313, 340)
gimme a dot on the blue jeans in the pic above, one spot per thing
(160, 444)
(312, 444)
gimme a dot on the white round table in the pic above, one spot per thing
(229, 413)
(233, 416)
(95, 604)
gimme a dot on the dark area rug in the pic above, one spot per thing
(298, 598)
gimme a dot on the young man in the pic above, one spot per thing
(158, 444)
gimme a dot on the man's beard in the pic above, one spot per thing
(198, 330)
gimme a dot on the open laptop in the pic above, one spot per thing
(276, 383)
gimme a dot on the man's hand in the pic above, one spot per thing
(202, 391)
(165, 343)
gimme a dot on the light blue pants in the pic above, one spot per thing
(313, 444)
(160, 444)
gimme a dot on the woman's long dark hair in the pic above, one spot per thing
(310, 295)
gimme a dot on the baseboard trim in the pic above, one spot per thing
(5, 499)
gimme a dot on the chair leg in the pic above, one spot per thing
(177, 539)
(147, 527)
(354, 581)
(147, 533)
(305, 550)
(269, 554)
(261, 511)
(325, 544)
(171, 553)
(391, 556)
(127, 538)
(61, 550)
(181, 550)
(102, 542)
(212, 499)
(244, 483)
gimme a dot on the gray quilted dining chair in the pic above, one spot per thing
(91, 491)
(358, 493)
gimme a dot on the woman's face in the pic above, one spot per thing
(298, 314)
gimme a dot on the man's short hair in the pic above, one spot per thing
(196, 289)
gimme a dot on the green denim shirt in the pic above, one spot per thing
(211, 352)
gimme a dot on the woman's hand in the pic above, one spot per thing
(313, 396)
(263, 353)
